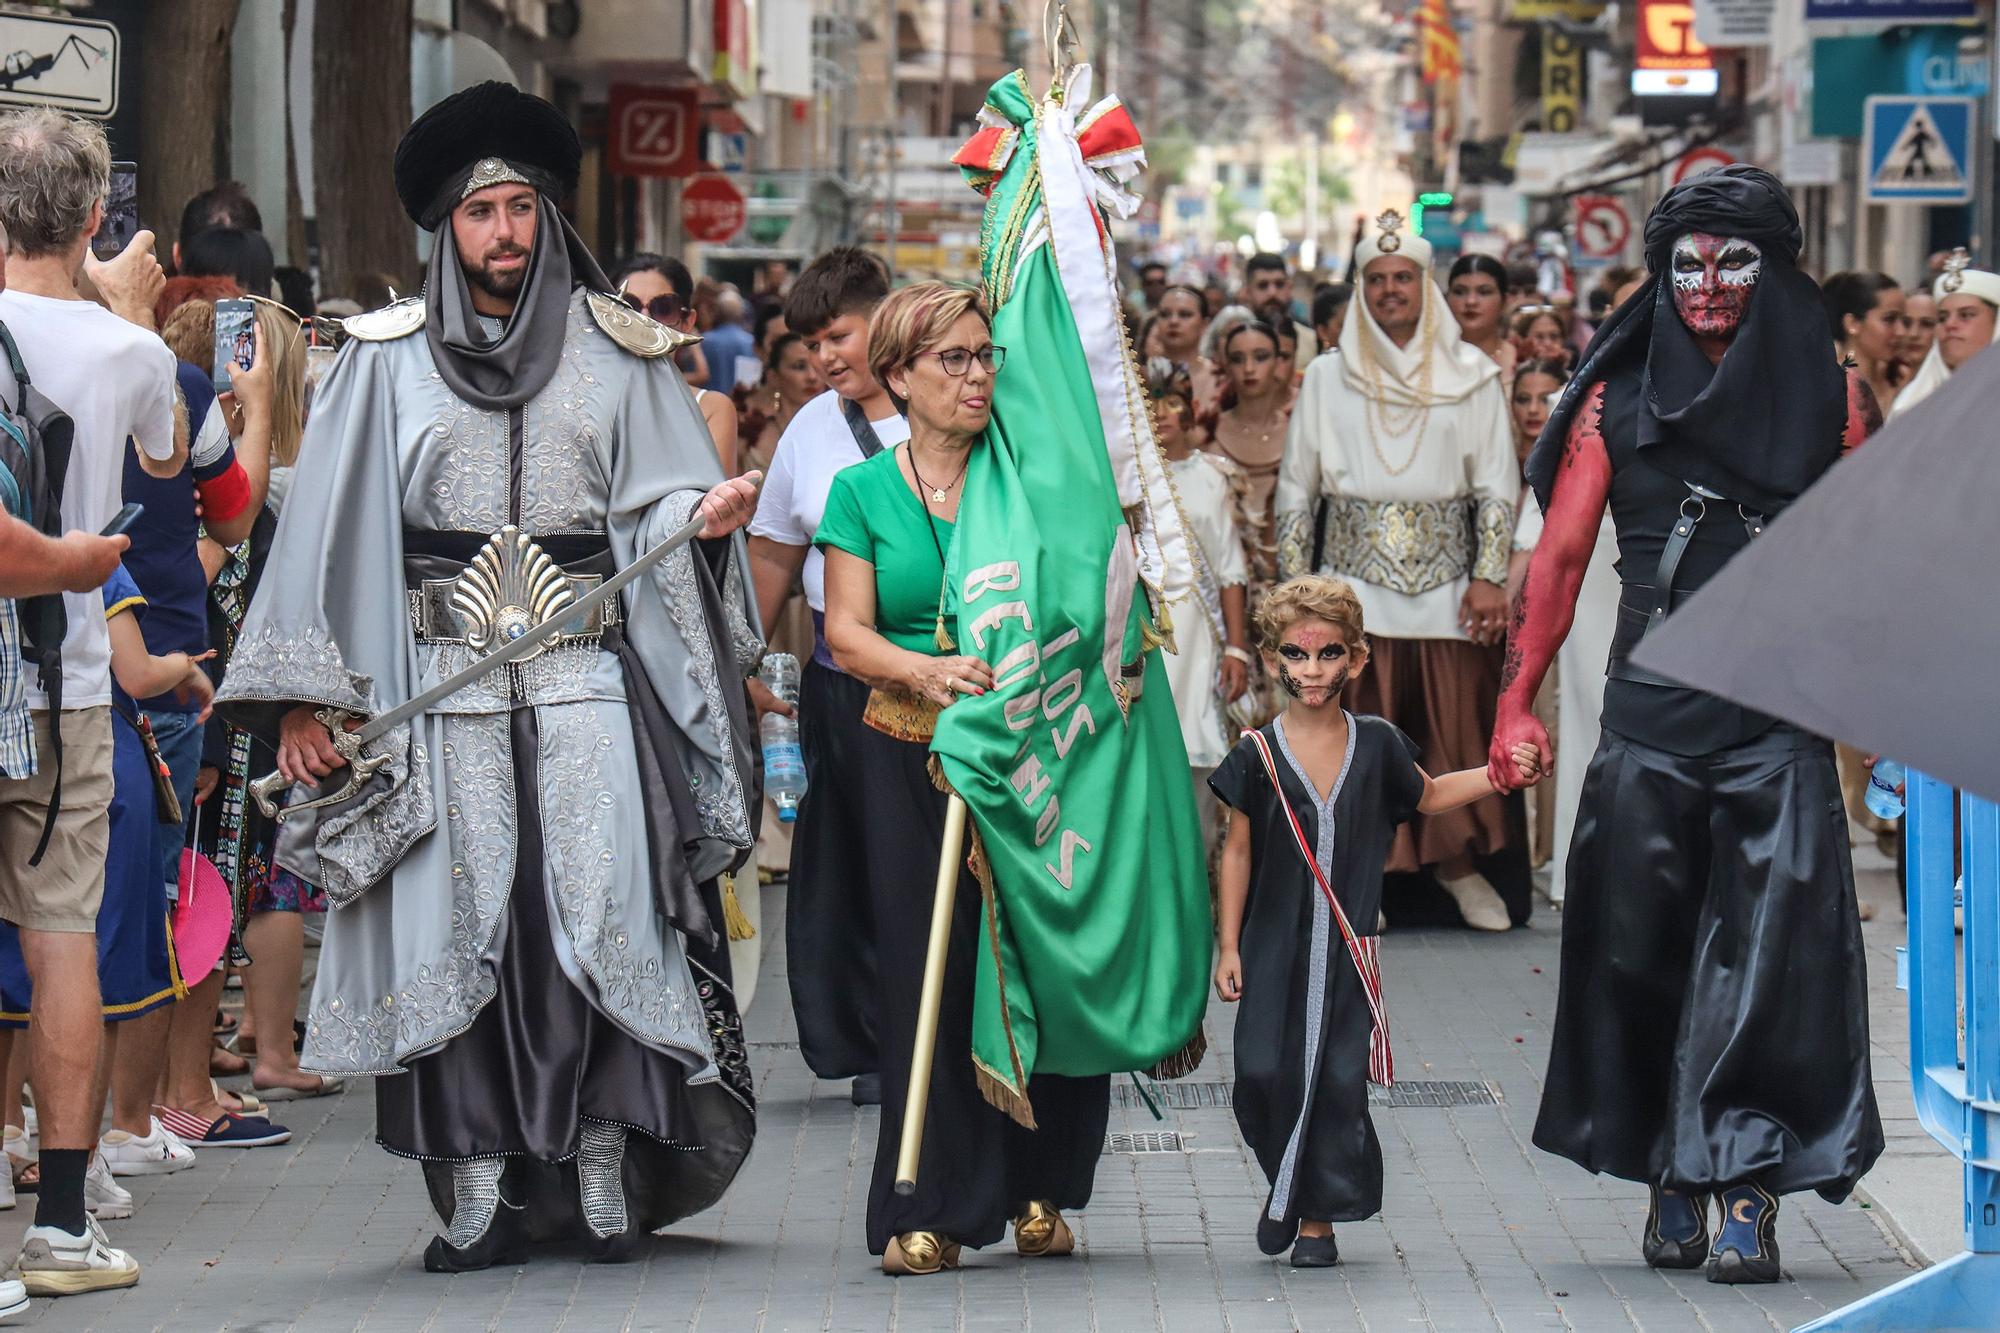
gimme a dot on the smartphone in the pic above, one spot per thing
(121, 522)
(121, 212)
(235, 338)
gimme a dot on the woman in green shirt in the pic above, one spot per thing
(886, 532)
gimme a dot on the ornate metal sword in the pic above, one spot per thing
(520, 640)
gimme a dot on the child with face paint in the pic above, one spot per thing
(1318, 795)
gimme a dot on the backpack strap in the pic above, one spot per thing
(14, 361)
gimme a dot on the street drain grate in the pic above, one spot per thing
(1434, 1093)
(1150, 1141)
(1174, 1096)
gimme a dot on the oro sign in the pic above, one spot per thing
(712, 209)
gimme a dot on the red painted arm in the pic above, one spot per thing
(1864, 414)
(1546, 604)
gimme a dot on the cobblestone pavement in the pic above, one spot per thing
(1479, 1230)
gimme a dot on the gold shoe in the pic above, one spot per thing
(1040, 1232)
(918, 1253)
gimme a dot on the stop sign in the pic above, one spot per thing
(712, 209)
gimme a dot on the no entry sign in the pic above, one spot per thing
(712, 209)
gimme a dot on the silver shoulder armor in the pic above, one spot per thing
(399, 319)
(638, 334)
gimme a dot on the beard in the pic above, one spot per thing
(496, 283)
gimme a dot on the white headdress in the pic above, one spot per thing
(1438, 366)
(1959, 279)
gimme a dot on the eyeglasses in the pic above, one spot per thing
(958, 360)
(666, 307)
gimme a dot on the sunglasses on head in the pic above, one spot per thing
(666, 307)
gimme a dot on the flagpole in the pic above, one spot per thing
(916, 1101)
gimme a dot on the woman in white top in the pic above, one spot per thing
(1968, 300)
(1209, 669)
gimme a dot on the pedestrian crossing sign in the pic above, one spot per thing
(1918, 149)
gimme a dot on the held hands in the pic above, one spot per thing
(1520, 754)
(943, 679)
(1229, 976)
(730, 505)
(206, 780)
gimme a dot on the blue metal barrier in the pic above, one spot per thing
(1957, 1086)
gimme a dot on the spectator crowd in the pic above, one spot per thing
(143, 480)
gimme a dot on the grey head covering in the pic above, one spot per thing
(494, 134)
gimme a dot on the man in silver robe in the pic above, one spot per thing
(525, 939)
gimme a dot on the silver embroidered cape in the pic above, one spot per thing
(419, 865)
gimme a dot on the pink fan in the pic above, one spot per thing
(202, 917)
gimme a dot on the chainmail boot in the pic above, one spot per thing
(600, 1176)
(475, 1189)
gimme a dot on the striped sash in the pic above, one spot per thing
(1364, 950)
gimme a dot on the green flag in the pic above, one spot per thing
(1094, 949)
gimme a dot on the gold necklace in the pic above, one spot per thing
(1379, 416)
(939, 494)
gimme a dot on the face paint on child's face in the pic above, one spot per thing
(1313, 663)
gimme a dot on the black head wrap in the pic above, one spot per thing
(1764, 423)
(494, 131)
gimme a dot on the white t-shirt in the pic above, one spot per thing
(816, 445)
(116, 381)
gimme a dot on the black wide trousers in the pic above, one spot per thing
(1712, 1020)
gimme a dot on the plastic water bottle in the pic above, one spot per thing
(784, 762)
(1883, 800)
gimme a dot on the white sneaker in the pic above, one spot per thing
(55, 1263)
(13, 1298)
(172, 1138)
(31, 1122)
(1478, 902)
(158, 1154)
(7, 1200)
(102, 1196)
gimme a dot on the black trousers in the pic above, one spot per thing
(539, 1060)
(1712, 1020)
(977, 1166)
(829, 934)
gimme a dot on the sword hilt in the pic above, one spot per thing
(360, 768)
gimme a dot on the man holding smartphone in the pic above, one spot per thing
(115, 380)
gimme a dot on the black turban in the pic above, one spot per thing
(1762, 425)
(487, 128)
(491, 120)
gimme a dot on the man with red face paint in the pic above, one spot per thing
(1711, 1034)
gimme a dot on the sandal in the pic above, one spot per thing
(327, 1087)
(226, 1023)
(245, 1103)
(919, 1253)
(1039, 1231)
(22, 1157)
(226, 1064)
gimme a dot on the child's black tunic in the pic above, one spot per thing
(1302, 1025)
